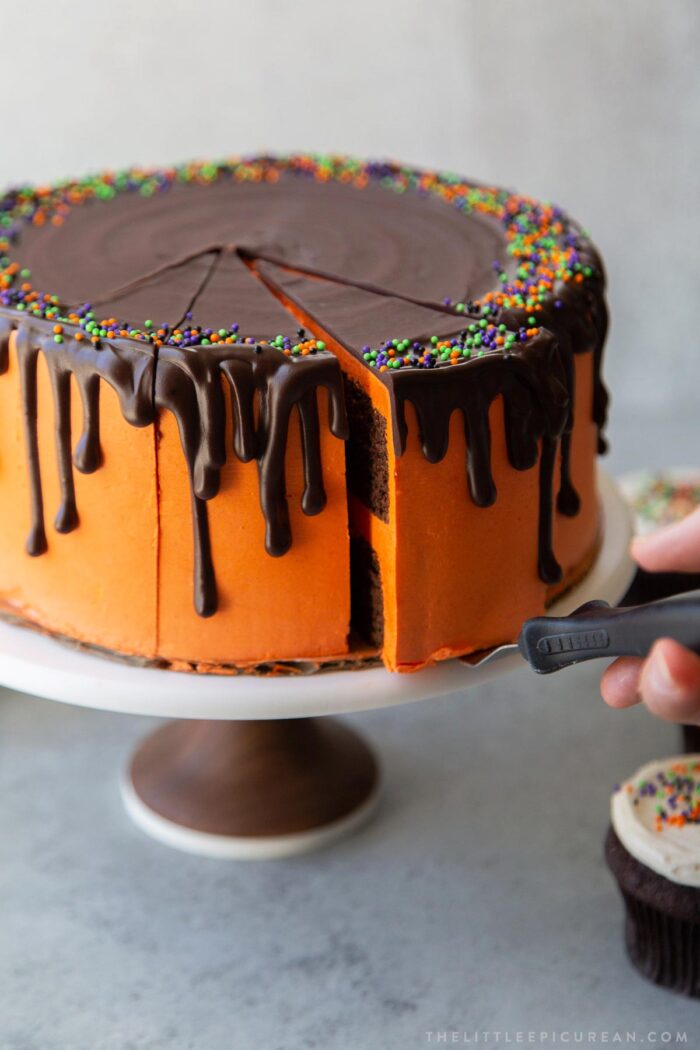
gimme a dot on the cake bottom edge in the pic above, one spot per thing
(361, 655)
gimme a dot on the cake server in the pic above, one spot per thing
(597, 631)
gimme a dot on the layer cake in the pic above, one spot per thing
(292, 413)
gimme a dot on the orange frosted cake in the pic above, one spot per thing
(287, 413)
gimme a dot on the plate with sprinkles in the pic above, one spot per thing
(661, 497)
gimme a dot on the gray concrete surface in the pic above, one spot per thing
(477, 901)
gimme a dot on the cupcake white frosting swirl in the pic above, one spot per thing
(656, 816)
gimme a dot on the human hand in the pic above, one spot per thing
(668, 680)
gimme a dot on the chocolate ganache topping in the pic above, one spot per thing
(169, 284)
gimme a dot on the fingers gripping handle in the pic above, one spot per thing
(595, 631)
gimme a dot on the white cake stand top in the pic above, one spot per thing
(35, 664)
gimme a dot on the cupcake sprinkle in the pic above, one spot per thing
(676, 790)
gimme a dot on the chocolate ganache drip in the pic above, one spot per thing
(265, 388)
(190, 385)
(536, 406)
(537, 384)
(128, 370)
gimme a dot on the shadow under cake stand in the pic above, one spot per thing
(254, 768)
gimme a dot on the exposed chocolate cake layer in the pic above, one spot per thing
(367, 462)
(366, 601)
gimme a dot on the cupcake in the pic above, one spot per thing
(653, 850)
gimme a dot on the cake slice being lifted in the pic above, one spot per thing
(454, 478)
(454, 331)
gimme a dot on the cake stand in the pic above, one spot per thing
(250, 769)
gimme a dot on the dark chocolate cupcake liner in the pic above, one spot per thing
(662, 922)
(665, 950)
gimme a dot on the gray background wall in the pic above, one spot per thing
(592, 103)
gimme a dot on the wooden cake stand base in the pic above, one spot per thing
(249, 770)
(251, 790)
